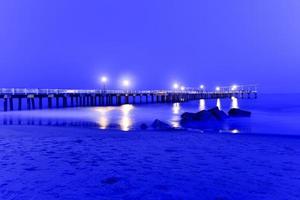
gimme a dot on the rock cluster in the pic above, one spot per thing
(214, 114)
(212, 117)
(235, 112)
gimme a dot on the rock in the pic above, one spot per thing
(189, 116)
(218, 114)
(157, 124)
(235, 112)
(203, 115)
(144, 126)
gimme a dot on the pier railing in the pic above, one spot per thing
(95, 97)
(36, 91)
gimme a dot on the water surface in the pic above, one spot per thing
(274, 114)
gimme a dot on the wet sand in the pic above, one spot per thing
(82, 163)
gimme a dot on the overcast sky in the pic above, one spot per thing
(70, 44)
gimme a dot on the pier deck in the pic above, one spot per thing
(14, 98)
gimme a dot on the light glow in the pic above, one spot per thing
(234, 87)
(175, 86)
(202, 86)
(218, 88)
(104, 79)
(126, 83)
(182, 88)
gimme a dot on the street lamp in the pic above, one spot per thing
(182, 88)
(218, 89)
(234, 87)
(175, 86)
(126, 83)
(104, 81)
(202, 87)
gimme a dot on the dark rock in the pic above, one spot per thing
(203, 115)
(189, 116)
(218, 114)
(144, 126)
(235, 112)
(157, 124)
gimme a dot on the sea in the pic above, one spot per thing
(271, 114)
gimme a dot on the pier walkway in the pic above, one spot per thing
(18, 99)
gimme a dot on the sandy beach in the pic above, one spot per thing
(72, 163)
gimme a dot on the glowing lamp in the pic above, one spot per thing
(175, 86)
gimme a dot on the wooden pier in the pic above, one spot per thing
(19, 99)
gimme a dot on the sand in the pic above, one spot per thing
(82, 163)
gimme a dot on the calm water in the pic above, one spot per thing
(274, 114)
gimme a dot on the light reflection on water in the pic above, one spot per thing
(126, 120)
(219, 104)
(234, 102)
(202, 104)
(104, 116)
(176, 108)
(270, 114)
(125, 117)
(175, 117)
(235, 131)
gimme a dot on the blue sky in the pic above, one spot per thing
(70, 44)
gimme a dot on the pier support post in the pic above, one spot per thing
(141, 99)
(110, 100)
(19, 103)
(11, 104)
(119, 100)
(65, 102)
(5, 104)
(40, 102)
(57, 102)
(49, 102)
(28, 104)
(80, 100)
(126, 99)
(32, 102)
(72, 101)
(88, 100)
(77, 101)
(83, 101)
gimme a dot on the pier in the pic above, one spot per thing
(30, 99)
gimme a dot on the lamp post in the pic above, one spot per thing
(126, 84)
(234, 87)
(104, 81)
(175, 86)
(202, 88)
